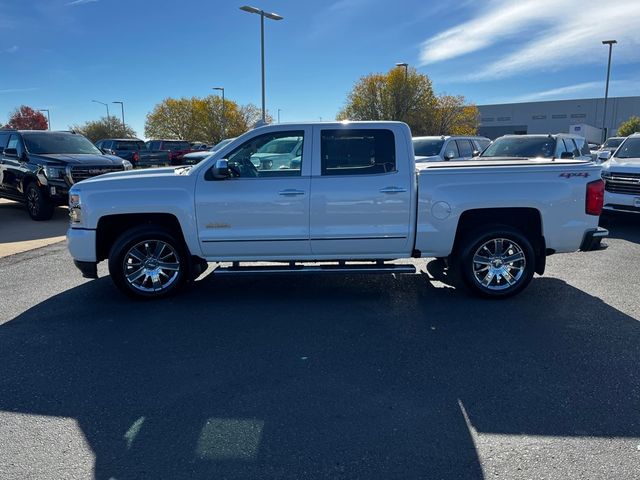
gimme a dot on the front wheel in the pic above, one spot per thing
(495, 262)
(38, 205)
(148, 262)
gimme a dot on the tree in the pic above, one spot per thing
(392, 96)
(409, 98)
(26, 118)
(200, 119)
(632, 125)
(106, 127)
(453, 117)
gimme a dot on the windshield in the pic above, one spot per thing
(529, 147)
(41, 143)
(281, 145)
(427, 147)
(629, 149)
(612, 143)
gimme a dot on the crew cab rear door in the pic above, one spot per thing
(260, 212)
(361, 192)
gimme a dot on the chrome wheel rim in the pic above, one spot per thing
(499, 264)
(151, 266)
(33, 200)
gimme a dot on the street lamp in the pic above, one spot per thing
(406, 68)
(279, 110)
(272, 16)
(48, 117)
(124, 125)
(606, 89)
(105, 104)
(224, 119)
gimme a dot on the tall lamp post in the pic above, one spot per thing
(279, 110)
(224, 119)
(105, 104)
(272, 16)
(606, 89)
(124, 125)
(48, 117)
(406, 73)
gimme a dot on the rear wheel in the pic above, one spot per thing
(38, 205)
(148, 262)
(495, 262)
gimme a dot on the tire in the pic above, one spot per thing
(495, 262)
(149, 262)
(38, 205)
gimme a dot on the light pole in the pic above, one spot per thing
(606, 89)
(124, 125)
(272, 16)
(406, 70)
(48, 117)
(279, 110)
(224, 119)
(105, 104)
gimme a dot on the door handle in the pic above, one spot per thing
(393, 190)
(290, 192)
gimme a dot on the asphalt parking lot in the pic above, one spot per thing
(322, 377)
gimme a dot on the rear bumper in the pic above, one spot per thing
(592, 238)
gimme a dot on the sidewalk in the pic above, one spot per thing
(18, 233)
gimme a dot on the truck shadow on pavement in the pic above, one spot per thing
(319, 377)
(625, 226)
(17, 226)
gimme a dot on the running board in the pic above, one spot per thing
(314, 269)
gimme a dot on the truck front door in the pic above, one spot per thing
(256, 214)
(361, 193)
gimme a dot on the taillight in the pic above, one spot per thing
(595, 197)
(135, 157)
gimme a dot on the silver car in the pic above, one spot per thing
(443, 148)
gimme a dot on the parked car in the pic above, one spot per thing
(611, 144)
(37, 167)
(356, 200)
(278, 153)
(556, 146)
(194, 157)
(621, 175)
(176, 148)
(134, 150)
(444, 148)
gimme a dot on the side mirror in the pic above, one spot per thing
(11, 152)
(476, 153)
(449, 155)
(566, 155)
(602, 156)
(220, 170)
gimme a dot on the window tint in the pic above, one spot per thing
(451, 150)
(583, 147)
(133, 145)
(4, 138)
(357, 152)
(613, 142)
(481, 144)
(53, 142)
(563, 147)
(265, 156)
(465, 148)
(176, 146)
(526, 147)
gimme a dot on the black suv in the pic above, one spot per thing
(38, 167)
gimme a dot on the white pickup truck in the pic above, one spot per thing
(352, 203)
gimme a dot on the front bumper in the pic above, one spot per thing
(81, 243)
(618, 202)
(592, 238)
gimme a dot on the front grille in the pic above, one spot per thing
(77, 174)
(624, 183)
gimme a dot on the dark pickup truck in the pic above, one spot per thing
(38, 168)
(176, 149)
(134, 150)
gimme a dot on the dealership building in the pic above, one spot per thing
(555, 116)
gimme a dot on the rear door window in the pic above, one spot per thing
(465, 148)
(357, 152)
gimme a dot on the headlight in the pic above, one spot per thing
(53, 173)
(75, 209)
(127, 165)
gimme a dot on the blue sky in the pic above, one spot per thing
(61, 54)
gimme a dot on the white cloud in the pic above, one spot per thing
(541, 35)
(79, 2)
(618, 88)
(12, 49)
